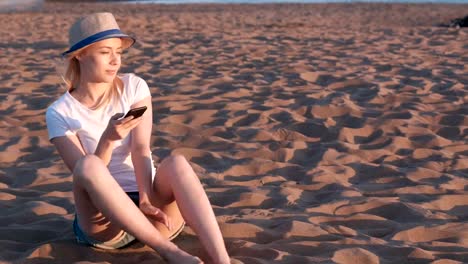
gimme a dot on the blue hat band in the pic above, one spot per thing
(93, 38)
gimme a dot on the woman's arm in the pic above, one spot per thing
(71, 150)
(141, 152)
(106, 145)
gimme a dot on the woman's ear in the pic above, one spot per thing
(79, 55)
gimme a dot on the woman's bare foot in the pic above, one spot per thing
(173, 254)
(221, 261)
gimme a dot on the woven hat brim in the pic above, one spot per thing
(90, 40)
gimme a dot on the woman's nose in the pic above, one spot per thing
(115, 58)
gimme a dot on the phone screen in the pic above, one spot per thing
(136, 112)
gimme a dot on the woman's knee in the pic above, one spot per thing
(87, 165)
(176, 164)
(176, 160)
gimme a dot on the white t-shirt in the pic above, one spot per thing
(67, 116)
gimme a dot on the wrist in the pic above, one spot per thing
(104, 145)
(106, 142)
(104, 149)
(105, 138)
(144, 198)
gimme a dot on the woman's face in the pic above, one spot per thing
(100, 62)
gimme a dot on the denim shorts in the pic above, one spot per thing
(121, 241)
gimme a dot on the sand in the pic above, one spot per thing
(322, 133)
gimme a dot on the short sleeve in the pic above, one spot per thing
(56, 124)
(141, 90)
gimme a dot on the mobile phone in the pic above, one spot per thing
(136, 112)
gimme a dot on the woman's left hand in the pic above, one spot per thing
(156, 214)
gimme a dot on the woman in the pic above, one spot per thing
(119, 195)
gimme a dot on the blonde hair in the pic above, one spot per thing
(72, 80)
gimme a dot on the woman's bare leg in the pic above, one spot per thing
(104, 210)
(175, 179)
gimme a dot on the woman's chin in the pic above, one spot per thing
(108, 79)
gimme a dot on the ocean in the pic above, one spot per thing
(28, 5)
(296, 1)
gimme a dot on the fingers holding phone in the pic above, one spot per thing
(118, 128)
(131, 122)
(134, 115)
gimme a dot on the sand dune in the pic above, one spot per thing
(322, 133)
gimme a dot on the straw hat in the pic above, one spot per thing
(95, 27)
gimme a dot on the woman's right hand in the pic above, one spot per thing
(118, 129)
(156, 214)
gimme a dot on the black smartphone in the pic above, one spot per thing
(136, 112)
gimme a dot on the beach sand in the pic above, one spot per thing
(327, 133)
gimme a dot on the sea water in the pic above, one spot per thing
(296, 1)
